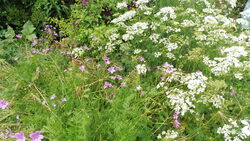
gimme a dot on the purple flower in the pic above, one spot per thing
(63, 99)
(142, 59)
(4, 104)
(34, 43)
(86, 48)
(82, 67)
(70, 69)
(111, 70)
(20, 136)
(123, 84)
(158, 67)
(17, 117)
(169, 70)
(119, 77)
(53, 96)
(107, 85)
(87, 59)
(177, 124)
(166, 64)
(18, 36)
(118, 68)
(36, 136)
(106, 59)
(176, 115)
(232, 92)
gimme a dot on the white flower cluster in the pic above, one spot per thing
(216, 100)
(196, 82)
(77, 52)
(124, 17)
(232, 3)
(166, 13)
(141, 68)
(121, 5)
(181, 100)
(222, 65)
(137, 28)
(170, 134)
(235, 131)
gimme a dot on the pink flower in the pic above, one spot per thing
(53, 96)
(34, 43)
(142, 59)
(18, 36)
(119, 77)
(36, 136)
(17, 117)
(82, 67)
(44, 102)
(232, 92)
(123, 84)
(63, 99)
(177, 124)
(106, 59)
(20, 136)
(70, 69)
(107, 85)
(4, 104)
(111, 70)
(176, 115)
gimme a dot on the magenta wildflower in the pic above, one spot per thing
(142, 59)
(107, 85)
(63, 99)
(118, 68)
(85, 47)
(111, 70)
(82, 67)
(169, 70)
(232, 92)
(18, 36)
(4, 104)
(87, 59)
(119, 77)
(34, 43)
(123, 84)
(158, 67)
(177, 124)
(176, 115)
(36, 136)
(166, 64)
(106, 60)
(20, 136)
(53, 96)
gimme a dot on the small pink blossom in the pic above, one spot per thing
(53, 96)
(18, 36)
(82, 67)
(177, 124)
(111, 70)
(232, 92)
(4, 104)
(17, 117)
(20, 136)
(107, 85)
(36, 136)
(63, 99)
(34, 43)
(123, 84)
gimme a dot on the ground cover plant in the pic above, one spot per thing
(129, 71)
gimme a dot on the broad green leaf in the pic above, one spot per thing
(28, 28)
(10, 33)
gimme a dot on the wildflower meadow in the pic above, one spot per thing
(125, 70)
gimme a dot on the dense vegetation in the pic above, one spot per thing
(124, 70)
